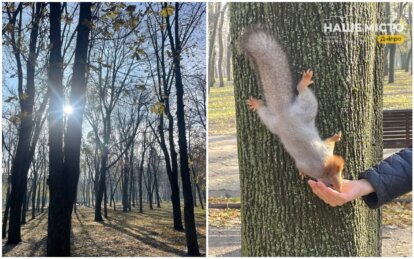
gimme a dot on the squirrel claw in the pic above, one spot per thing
(302, 176)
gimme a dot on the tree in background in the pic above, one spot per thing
(178, 38)
(213, 18)
(29, 120)
(220, 46)
(280, 215)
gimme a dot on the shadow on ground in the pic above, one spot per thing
(122, 234)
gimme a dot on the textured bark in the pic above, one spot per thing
(280, 215)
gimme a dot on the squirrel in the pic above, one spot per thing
(291, 117)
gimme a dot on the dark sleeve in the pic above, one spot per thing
(390, 178)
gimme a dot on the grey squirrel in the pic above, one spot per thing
(291, 117)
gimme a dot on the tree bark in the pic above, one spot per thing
(280, 215)
(63, 183)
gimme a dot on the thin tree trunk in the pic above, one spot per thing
(190, 228)
(6, 214)
(43, 195)
(228, 59)
(156, 190)
(220, 47)
(214, 16)
(34, 186)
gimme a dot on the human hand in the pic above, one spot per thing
(351, 190)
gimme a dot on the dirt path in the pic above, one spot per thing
(226, 242)
(223, 167)
(122, 234)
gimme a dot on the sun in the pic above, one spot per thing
(68, 109)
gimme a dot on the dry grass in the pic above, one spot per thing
(122, 234)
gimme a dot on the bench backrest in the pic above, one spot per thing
(397, 128)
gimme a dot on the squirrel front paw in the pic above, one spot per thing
(306, 80)
(254, 103)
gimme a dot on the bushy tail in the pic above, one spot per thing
(272, 66)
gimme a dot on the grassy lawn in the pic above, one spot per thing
(221, 110)
(398, 95)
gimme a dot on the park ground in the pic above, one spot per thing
(224, 183)
(123, 234)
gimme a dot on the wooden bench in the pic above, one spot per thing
(397, 128)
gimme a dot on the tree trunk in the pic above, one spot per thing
(102, 173)
(34, 186)
(24, 208)
(391, 66)
(105, 201)
(157, 194)
(392, 47)
(407, 60)
(220, 47)
(131, 177)
(141, 172)
(43, 195)
(197, 185)
(63, 184)
(125, 184)
(6, 214)
(39, 194)
(228, 58)
(24, 152)
(190, 228)
(280, 215)
(214, 16)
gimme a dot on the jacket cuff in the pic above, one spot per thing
(374, 200)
